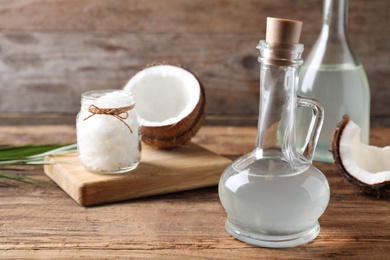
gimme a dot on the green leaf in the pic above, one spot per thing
(8, 153)
(29, 154)
(21, 178)
(7, 184)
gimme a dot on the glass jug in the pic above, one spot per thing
(334, 75)
(274, 196)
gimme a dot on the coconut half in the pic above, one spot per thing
(171, 104)
(365, 166)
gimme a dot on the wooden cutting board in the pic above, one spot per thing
(160, 171)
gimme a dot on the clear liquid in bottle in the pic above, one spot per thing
(341, 89)
(274, 207)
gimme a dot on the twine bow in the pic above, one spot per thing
(115, 112)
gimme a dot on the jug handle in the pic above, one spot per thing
(317, 119)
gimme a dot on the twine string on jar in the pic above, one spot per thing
(115, 112)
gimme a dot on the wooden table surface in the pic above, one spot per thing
(43, 222)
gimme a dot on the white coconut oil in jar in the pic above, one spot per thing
(108, 132)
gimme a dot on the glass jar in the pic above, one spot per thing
(108, 132)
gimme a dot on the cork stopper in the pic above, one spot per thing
(283, 30)
(282, 39)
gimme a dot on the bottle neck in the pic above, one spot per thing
(333, 47)
(276, 125)
(335, 16)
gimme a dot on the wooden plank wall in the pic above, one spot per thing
(53, 50)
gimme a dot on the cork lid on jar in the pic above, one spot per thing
(282, 41)
(283, 30)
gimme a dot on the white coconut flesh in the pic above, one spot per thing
(366, 163)
(164, 94)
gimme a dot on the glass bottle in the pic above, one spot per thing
(334, 75)
(274, 196)
(108, 132)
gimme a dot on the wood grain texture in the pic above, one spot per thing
(43, 222)
(160, 171)
(52, 51)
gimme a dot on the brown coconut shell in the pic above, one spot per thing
(180, 133)
(170, 136)
(380, 190)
